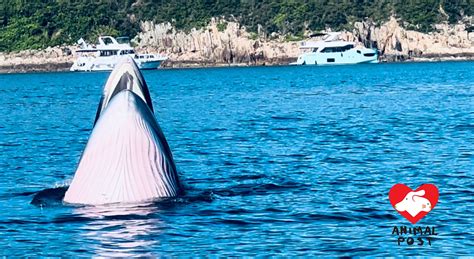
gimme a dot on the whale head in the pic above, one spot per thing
(127, 158)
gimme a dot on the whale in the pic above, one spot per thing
(127, 158)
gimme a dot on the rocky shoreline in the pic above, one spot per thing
(64, 67)
(52, 66)
(224, 43)
(45, 67)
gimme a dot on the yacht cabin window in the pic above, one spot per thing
(128, 51)
(337, 49)
(123, 40)
(105, 53)
(107, 41)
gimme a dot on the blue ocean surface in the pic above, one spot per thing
(275, 161)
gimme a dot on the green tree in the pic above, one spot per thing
(27, 24)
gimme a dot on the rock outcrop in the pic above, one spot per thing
(228, 43)
(232, 44)
(49, 59)
(219, 43)
(396, 43)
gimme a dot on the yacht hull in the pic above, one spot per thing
(338, 58)
(149, 65)
(91, 65)
(107, 54)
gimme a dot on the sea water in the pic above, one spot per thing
(275, 161)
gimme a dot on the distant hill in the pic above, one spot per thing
(26, 24)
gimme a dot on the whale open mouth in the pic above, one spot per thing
(126, 76)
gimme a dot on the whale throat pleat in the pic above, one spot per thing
(126, 159)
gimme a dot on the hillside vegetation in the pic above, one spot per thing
(27, 24)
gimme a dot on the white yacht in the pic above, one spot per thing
(107, 53)
(331, 51)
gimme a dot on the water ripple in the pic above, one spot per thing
(290, 161)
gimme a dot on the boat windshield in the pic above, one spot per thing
(107, 40)
(123, 40)
(337, 49)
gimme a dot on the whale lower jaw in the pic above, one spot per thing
(127, 158)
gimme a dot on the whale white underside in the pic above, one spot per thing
(127, 158)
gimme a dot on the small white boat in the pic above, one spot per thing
(332, 51)
(107, 53)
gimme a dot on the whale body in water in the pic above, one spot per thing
(127, 158)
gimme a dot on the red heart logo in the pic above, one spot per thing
(413, 205)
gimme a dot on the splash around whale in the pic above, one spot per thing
(127, 158)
